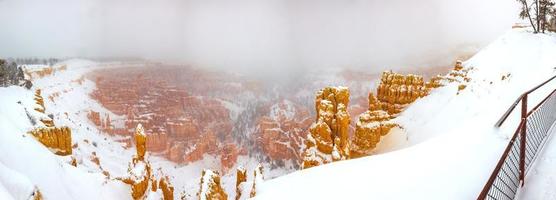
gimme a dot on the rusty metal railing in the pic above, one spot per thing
(521, 151)
(523, 96)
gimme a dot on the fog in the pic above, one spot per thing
(256, 36)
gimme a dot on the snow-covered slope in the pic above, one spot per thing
(26, 164)
(448, 145)
(540, 180)
(452, 145)
(32, 163)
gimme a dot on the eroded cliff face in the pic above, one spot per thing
(57, 139)
(458, 75)
(39, 107)
(42, 72)
(198, 113)
(211, 187)
(281, 133)
(394, 93)
(178, 125)
(327, 140)
(183, 108)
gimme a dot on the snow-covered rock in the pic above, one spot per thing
(453, 145)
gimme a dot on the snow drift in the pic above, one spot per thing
(453, 143)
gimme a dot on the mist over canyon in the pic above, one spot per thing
(265, 38)
(241, 99)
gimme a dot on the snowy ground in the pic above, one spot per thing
(25, 163)
(540, 181)
(35, 165)
(452, 145)
(446, 149)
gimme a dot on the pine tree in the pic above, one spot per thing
(538, 12)
(526, 13)
(545, 8)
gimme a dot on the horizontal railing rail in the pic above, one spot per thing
(524, 95)
(529, 137)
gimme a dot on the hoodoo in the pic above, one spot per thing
(140, 175)
(327, 140)
(211, 187)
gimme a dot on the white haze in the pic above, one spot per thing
(255, 35)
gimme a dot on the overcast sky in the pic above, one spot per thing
(255, 34)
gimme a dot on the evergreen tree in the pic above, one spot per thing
(2, 72)
(538, 12)
(10, 74)
(526, 13)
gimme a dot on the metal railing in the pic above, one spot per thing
(529, 137)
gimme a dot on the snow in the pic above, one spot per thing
(70, 108)
(451, 145)
(16, 185)
(207, 180)
(234, 109)
(396, 139)
(138, 171)
(446, 148)
(155, 195)
(541, 178)
(22, 153)
(284, 110)
(4, 194)
(139, 130)
(32, 161)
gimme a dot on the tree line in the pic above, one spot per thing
(10, 73)
(541, 14)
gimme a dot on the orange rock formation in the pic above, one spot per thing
(94, 117)
(394, 93)
(58, 139)
(210, 186)
(458, 75)
(257, 179)
(140, 142)
(42, 72)
(167, 188)
(173, 119)
(327, 140)
(241, 177)
(228, 157)
(139, 170)
(140, 176)
(281, 134)
(39, 101)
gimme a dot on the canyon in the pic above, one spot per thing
(188, 113)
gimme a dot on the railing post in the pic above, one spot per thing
(523, 140)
